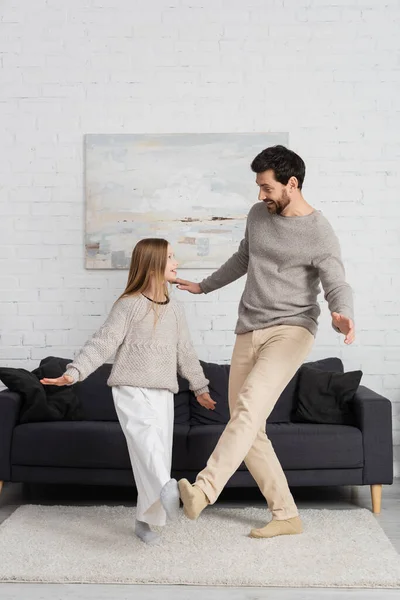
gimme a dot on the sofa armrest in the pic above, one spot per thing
(10, 404)
(373, 414)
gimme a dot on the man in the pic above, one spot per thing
(288, 249)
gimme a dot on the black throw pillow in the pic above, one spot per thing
(42, 403)
(34, 405)
(325, 397)
(218, 375)
(63, 402)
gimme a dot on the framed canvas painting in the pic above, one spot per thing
(193, 189)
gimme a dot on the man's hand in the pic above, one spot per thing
(206, 401)
(188, 286)
(63, 380)
(345, 326)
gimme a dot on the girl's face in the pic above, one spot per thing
(170, 269)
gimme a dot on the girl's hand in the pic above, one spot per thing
(63, 380)
(206, 401)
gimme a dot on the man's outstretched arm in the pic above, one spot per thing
(337, 291)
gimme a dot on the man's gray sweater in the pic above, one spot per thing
(286, 259)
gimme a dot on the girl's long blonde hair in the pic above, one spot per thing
(149, 259)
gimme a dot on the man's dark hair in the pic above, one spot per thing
(284, 163)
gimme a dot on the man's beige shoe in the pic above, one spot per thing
(274, 528)
(193, 498)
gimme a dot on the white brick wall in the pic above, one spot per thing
(324, 70)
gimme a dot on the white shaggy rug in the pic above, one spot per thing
(77, 544)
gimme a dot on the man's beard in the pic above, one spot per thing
(279, 206)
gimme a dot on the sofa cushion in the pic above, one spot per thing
(96, 396)
(42, 402)
(297, 445)
(201, 442)
(218, 376)
(83, 444)
(182, 402)
(310, 446)
(286, 406)
(325, 397)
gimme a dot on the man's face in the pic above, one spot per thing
(274, 194)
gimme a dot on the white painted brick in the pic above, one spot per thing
(8, 309)
(217, 308)
(33, 224)
(200, 323)
(55, 338)
(10, 339)
(72, 251)
(7, 252)
(371, 338)
(8, 282)
(34, 338)
(197, 337)
(43, 281)
(391, 382)
(18, 238)
(89, 323)
(39, 308)
(14, 209)
(13, 352)
(220, 354)
(392, 338)
(38, 353)
(37, 251)
(85, 308)
(63, 238)
(60, 295)
(223, 323)
(59, 264)
(373, 382)
(49, 323)
(90, 281)
(215, 338)
(45, 209)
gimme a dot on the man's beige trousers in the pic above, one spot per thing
(263, 363)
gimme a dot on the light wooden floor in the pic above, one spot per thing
(15, 495)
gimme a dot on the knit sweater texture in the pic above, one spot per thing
(286, 259)
(146, 355)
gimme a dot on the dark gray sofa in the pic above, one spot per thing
(93, 451)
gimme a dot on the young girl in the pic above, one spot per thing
(149, 334)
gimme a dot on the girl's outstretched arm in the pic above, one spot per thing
(100, 347)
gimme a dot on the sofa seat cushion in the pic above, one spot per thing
(297, 445)
(310, 446)
(83, 444)
(201, 442)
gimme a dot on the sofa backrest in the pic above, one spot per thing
(98, 405)
(219, 376)
(96, 396)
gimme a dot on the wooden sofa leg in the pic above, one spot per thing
(1, 485)
(376, 496)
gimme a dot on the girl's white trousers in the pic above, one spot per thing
(147, 420)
